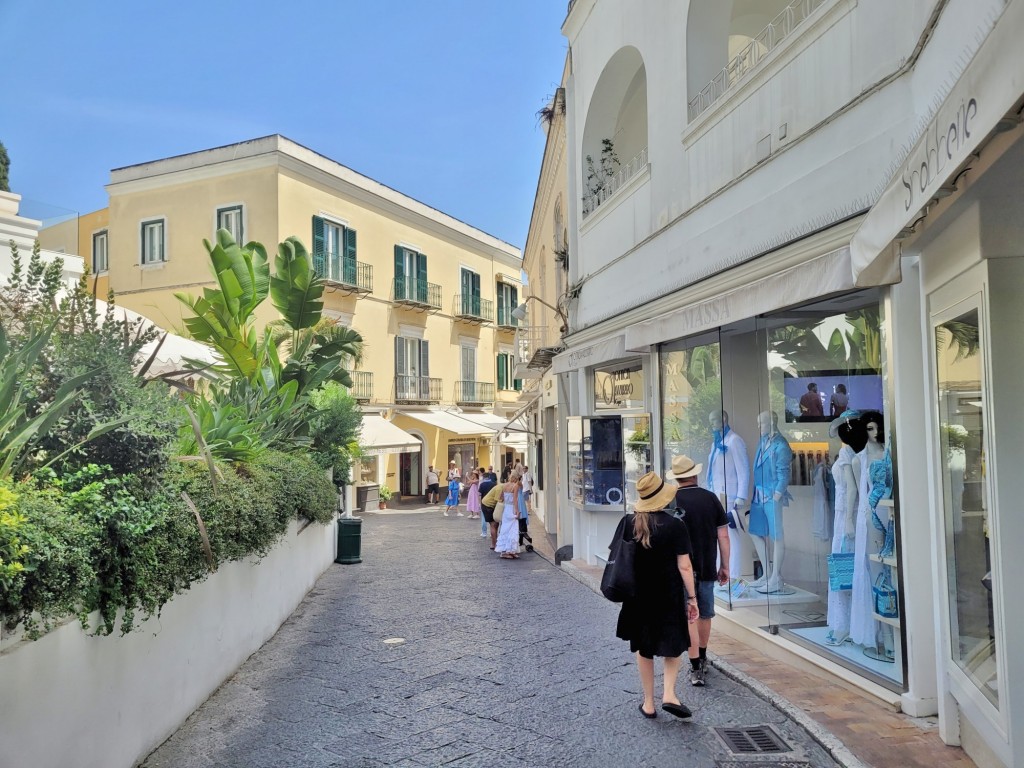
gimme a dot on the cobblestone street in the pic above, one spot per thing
(433, 652)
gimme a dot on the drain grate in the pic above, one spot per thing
(755, 740)
(762, 764)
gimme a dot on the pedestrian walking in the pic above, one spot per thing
(488, 504)
(708, 527)
(433, 486)
(655, 621)
(473, 496)
(507, 544)
(454, 483)
(528, 487)
(506, 472)
(524, 516)
(486, 485)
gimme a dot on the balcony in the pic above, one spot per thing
(505, 320)
(345, 274)
(362, 386)
(417, 293)
(472, 308)
(417, 389)
(609, 186)
(766, 41)
(474, 392)
(535, 346)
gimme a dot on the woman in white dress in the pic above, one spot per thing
(507, 545)
(849, 429)
(863, 624)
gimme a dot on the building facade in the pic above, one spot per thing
(430, 295)
(779, 212)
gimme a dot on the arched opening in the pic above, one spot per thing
(615, 132)
(725, 39)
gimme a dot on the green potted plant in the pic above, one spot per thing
(385, 496)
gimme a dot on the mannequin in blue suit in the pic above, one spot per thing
(772, 468)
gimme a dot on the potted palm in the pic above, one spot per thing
(385, 496)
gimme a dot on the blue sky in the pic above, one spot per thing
(436, 98)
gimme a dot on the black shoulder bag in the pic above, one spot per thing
(619, 580)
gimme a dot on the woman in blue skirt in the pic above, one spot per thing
(454, 481)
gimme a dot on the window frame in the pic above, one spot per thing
(143, 226)
(231, 208)
(105, 234)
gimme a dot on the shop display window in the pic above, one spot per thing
(962, 438)
(596, 461)
(760, 403)
(368, 469)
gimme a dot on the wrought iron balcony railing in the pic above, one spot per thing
(764, 42)
(417, 388)
(608, 187)
(474, 392)
(468, 306)
(362, 385)
(505, 319)
(348, 273)
(419, 293)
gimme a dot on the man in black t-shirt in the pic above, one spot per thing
(709, 531)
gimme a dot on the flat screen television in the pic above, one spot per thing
(863, 392)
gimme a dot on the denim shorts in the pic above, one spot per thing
(705, 599)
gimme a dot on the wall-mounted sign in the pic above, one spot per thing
(619, 387)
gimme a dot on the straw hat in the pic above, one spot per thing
(846, 417)
(683, 466)
(654, 494)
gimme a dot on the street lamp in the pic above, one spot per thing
(519, 313)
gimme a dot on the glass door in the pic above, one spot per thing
(963, 447)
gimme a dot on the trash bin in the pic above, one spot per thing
(350, 531)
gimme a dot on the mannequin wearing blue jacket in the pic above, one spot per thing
(772, 468)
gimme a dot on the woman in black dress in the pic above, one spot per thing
(655, 620)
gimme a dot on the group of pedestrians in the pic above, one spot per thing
(682, 550)
(502, 507)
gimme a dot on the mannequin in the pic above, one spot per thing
(850, 431)
(772, 467)
(868, 540)
(729, 478)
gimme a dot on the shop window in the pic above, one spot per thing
(962, 440)
(368, 469)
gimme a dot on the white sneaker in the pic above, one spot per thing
(446, 513)
(459, 514)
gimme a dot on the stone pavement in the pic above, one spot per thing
(875, 735)
(433, 651)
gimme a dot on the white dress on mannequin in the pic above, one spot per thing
(863, 624)
(839, 602)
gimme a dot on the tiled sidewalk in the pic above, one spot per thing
(876, 735)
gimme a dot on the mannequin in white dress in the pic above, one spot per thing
(728, 477)
(850, 431)
(869, 540)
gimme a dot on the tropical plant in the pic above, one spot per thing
(599, 175)
(334, 428)
(960, 336)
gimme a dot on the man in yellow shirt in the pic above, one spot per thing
(488, 504)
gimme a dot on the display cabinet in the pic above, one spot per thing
(607, 455)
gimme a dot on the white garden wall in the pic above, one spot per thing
(69, 699)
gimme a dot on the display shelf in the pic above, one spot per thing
(890, 561)
(887, 620)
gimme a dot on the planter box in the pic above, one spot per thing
(69, 699)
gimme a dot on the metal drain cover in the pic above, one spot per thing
(762, 764)
(754, 740)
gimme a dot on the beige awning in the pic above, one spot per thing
(380, 436)
(989, 87)
(449, 422)
(493, 423)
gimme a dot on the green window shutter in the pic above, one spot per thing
(476, 293)
(319, 261)
(501, 372)
(400, 368)
(515, 296)
(424, 358)
(421, 278)
(400, 292)
(349, 259)
(517, 385)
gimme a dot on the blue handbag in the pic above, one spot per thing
(840, 569)
(886, 599)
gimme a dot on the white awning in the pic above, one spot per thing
(515, 440)
(494, 423)
(380, 436)
(449, 422)
(988, 88)
(820, 276)
(593, 354)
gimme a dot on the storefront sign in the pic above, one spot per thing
(619, 388)
(595, 354)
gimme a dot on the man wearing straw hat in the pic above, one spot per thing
(709, 530)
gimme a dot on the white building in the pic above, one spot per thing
(768, 195)
(23, 231)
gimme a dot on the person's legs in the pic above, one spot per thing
(698, 650)
(672, 664)
(646, 669)
(494, 530)
(483, 521)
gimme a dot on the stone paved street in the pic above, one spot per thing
(504, 663)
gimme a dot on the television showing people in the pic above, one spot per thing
(822, 396)
(772, 469)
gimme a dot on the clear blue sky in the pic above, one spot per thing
(435, 98)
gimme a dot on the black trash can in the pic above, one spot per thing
(350, 532)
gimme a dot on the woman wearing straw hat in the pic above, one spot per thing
(655, 620)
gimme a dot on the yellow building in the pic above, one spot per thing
(430, 295)
(85, 236)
